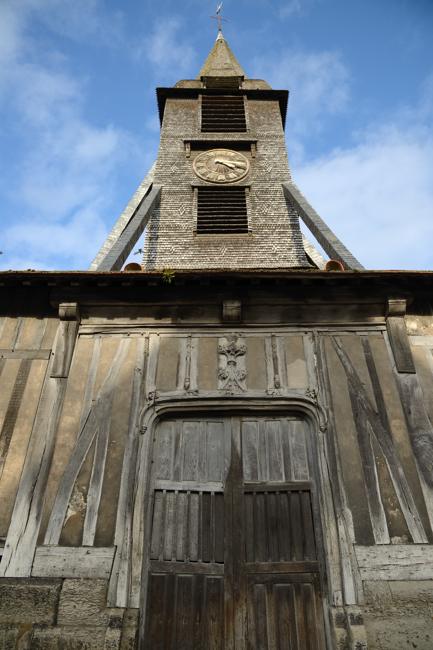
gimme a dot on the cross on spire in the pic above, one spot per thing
(218, 17)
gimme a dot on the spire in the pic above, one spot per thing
(221, 61)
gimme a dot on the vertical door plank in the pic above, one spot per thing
(296, 526)
(213, 614)
(164, 451)
(169, 531)
(191, 447)
(249, 527)
(214, 452)
(249, 449)
(157, 525)
(308, 529)
(184, 613)
(156, 616)
(219, 528)
(206, 527)
(272, 524)
(275, 452)
(299, 451)
(182, 525)
(284, 532)
(193, 526)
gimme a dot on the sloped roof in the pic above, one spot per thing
(221, 61)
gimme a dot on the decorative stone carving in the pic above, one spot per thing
(231, 371)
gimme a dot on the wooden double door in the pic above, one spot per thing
(232, 559)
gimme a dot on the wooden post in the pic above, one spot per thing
(398, 338)
(69, 315)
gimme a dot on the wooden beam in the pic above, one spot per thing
(324, 235)
(398, 337)
(113, 259)
(73, 562)
(395, 562)
(26, 517)
(69, 315)
(313, 253)
(382, 435)
(97, 419)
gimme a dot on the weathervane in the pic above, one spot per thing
(218, 17)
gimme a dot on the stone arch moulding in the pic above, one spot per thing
(338, 570)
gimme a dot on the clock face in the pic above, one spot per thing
(221, 166)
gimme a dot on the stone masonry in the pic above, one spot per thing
(62, 614)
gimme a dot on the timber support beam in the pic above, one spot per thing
(324, 235)
(119, 251)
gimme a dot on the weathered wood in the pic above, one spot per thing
(341, 563)
(113, 258)
(152, 366)
(419, 424)
(65, 339)
(25, 354)
(324, 235)
(374, 497)
(190, 486)
(63, 351)
(400, 345)
(420, 432)
(120, 579)
(395, 562)
(97, 475)
(386, 443)
(72, 562)
(14, 405)
(96, 418)
(124, 218)
(26, 517)
(11, 466)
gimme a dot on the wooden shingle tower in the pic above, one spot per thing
(230, 446)
(220, 195)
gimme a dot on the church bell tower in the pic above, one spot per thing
(228, 446)
(220, 195)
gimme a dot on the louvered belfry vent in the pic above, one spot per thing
(221, 211)
(223, 83)
(223, 113)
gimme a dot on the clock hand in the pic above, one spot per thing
(226, 163)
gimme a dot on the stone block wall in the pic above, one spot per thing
(62, 614)
(399, 614)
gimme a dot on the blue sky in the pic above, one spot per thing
(79, 125)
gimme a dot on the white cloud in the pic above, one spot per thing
(294, 7)
(167, 50)
(41, 244)
(318, 84)
(68, 166)
(378, 194)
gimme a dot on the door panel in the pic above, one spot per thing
(274, 449)
(284, 612)
(278, 522)
(232, 555)
(186, 612)
(188, 526)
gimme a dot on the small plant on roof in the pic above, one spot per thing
(168, 276)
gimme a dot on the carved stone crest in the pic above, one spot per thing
(231, 370)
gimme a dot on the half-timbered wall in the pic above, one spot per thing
(369, 410)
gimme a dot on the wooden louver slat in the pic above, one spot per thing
(221, 210)
(223, 113)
